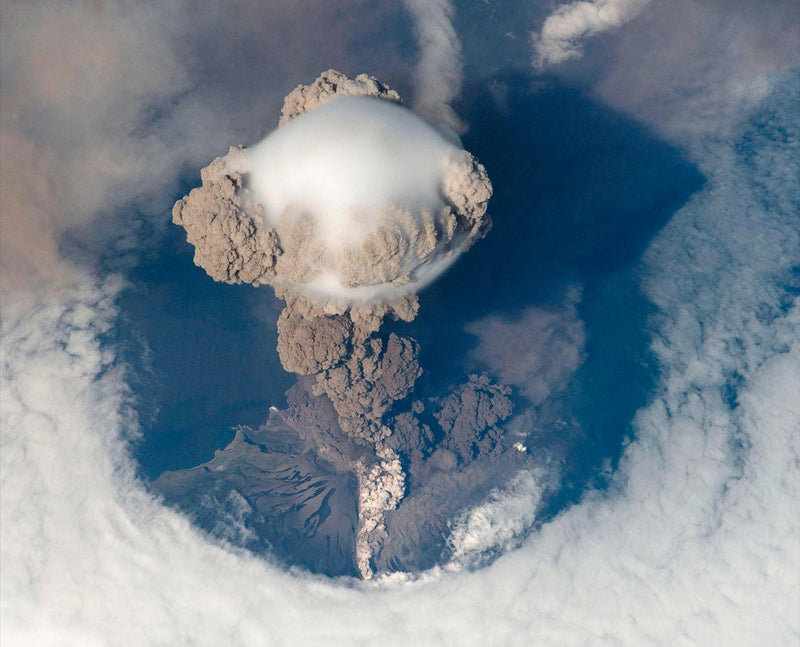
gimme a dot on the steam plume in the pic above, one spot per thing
(439, 71)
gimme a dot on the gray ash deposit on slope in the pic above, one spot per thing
(349, 208)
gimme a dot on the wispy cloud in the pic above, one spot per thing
(537, 352)
(562, 32)
(693, 70)
(439, 74)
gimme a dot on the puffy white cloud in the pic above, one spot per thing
(562, 31)
(498, 524)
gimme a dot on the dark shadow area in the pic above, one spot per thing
(615, 381)
(579, 192)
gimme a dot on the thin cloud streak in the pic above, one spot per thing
(439, 72)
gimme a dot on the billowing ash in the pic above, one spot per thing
(347, 209)
(357, 201)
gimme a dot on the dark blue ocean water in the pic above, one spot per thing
(579, 192)
(204, 354)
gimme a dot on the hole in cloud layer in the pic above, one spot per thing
(457, 439)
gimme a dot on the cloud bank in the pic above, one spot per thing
(696, 538)
(695, 543)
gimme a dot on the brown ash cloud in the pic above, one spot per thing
(347, 229)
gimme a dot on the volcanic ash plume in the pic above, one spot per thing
(350, 207)
(347, 209)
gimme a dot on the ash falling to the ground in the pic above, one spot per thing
(350, 207)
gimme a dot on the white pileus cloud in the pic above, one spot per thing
(361, 168)
(348, 158)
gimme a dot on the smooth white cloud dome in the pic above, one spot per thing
(344, 162)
